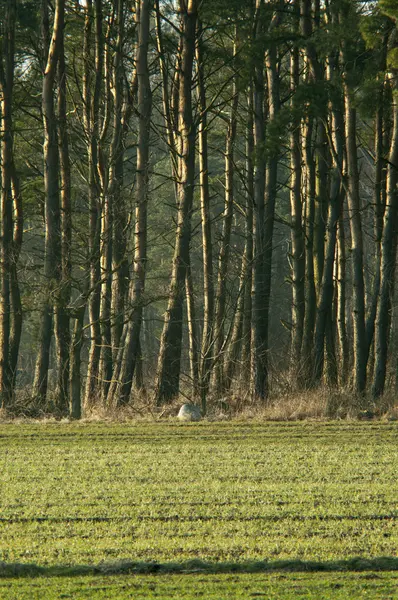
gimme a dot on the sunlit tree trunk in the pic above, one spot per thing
(16, 302)
(52, 258)
(7, 266)
(379, 194)
(112, 196)
(91, 94)
(354, 208)
(168, 375)
(388, 256)
(208, 282)
(192, 333)
(297, 234)
(258, 333)
(120, 394)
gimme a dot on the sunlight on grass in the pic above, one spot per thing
(78, 494)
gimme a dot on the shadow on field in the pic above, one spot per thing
(383, 563)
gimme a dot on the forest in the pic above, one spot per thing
(198, 200)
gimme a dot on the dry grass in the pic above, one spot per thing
(319, 404)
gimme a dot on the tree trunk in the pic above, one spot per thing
(168, 375)
(258, 333)
(75, 360)
(297, 234)
(16, 303)
(388, 257)
(247, 317)
(354, 208)
(52, 259)
(208, 282)
(223, 259)
(236, 341)
(112, 195)
(7, 266)
(61, 313)
(261, 384)
(92, 104)
(379, 197)
(121, 394)
(324, 333)
(192, 333)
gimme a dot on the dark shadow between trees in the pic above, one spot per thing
(127, 567)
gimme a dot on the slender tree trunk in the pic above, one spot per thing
(120, 267)
(261, 371)
(324, 332)
(168, 375)
(354, 208)
(297, 234)
(75, 358)
(112, 196)
(7, 262)
(92, 103)
(52, 259)
(192, 333)
(247, 317)
(258, 332)
(310, 289)
(223, 259)
(61, 313)
(324, 310)
(322, 194)
(388, 257)
(121, 394)
(16, 303)
(208, 282)
(342, 303)
(236, 341)
(379, 198)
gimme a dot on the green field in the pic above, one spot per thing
(208, 510)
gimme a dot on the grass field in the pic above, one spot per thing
(208, 510)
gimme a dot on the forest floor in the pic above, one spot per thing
(209, 510)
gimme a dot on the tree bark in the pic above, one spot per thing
(168, 374)
(92, 124)
(61, 312)
(261, 383)
(297, 234)
(354, 208)
(248, 309)
(258, 332)
(7, 261)
(388, 256)
(121, 394)
(52, 259)
(223, 259)
(192, 333)
(208, 282)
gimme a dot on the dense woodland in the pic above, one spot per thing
(198, 198)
